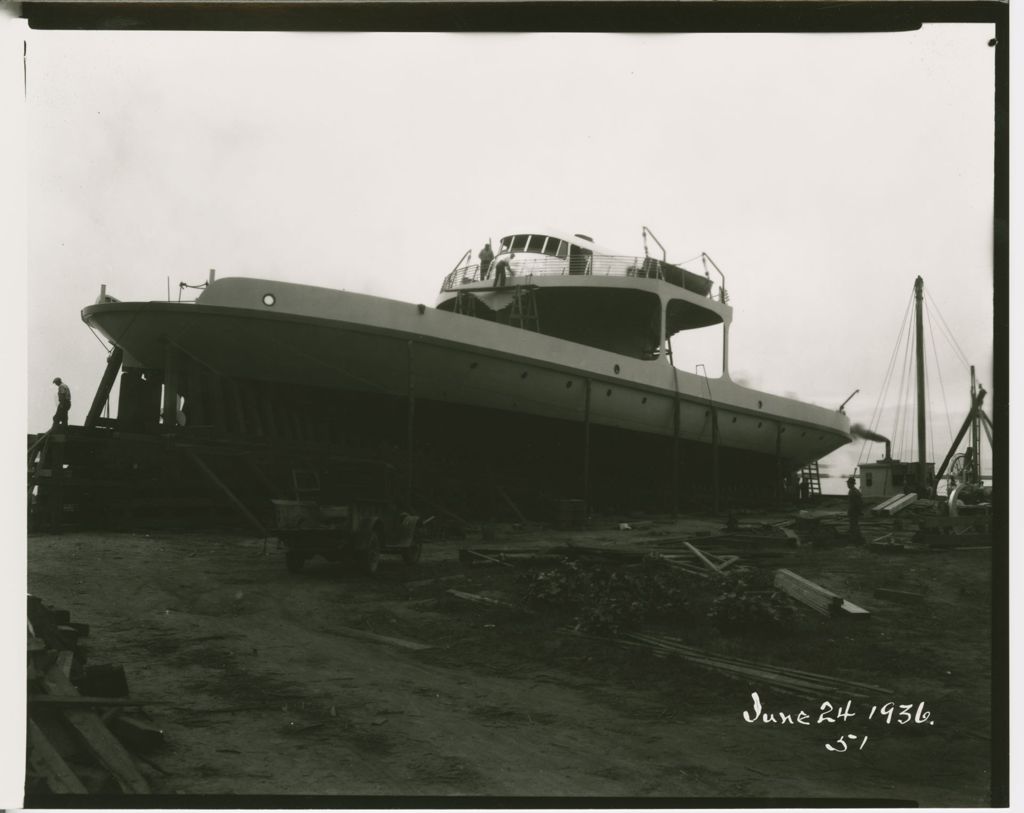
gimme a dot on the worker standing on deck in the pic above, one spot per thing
(486, 257)
(501, 270)
(60, 417)
(854, 508)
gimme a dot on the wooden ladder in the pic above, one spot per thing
(524, 310)
(812, 477)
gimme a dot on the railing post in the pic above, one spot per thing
(586, 448)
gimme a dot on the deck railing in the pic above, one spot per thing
(598, 265)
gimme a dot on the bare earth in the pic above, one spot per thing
(268, 692)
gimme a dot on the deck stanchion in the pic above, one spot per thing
(410, 436)
(171, 376)
(778, 463)
(586, 448)
(194, 400)
(714, 460)
(675, 454)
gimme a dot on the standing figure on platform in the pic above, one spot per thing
(486, 257)
(60, 417)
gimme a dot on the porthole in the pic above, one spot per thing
(759, 424)
(759, 404)
(609, 392)
(643, 400)
(524, 374)
(269, 300)
(472, 365)
(734, 420)
(568, 385)
(616, 369)
(803, 434)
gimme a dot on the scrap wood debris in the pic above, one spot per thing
(71, 748)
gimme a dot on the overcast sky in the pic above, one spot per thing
(821, 172)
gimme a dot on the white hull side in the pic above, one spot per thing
(358, 343)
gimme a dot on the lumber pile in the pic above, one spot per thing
(815, 596)
(80, 718)
(894, 504)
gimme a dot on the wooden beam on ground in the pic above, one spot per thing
(894, 504)
(97, 737)
(696, 552)
(214, 480)
(491, 602)
(380, 639)
(807, 592)
(48, 763)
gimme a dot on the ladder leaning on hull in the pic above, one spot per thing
(812, 476)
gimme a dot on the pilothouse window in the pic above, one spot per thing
(536, 244)
(519, 242)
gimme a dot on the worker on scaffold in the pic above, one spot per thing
(60, 417)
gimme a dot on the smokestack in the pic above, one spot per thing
(864, 433)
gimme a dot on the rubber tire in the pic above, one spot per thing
(369, 557)
(411, 555)
(294, 561)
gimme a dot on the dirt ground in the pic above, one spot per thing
(268, 691)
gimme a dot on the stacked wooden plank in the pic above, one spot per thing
(807, 592)
(815, 596)
(894, 504)
(71, 747)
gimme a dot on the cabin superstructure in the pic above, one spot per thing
(567, 287)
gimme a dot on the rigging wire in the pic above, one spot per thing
(949, 334)
(896, 436)
(876, 414)
(938, 367)
(904, 402)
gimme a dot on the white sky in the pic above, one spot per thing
(821, 172)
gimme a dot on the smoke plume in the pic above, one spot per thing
(859, 431)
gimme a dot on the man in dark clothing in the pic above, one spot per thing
(60, 417)
(854, 509)
(501, 270)
(486, 256)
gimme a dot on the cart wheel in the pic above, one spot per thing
(411, 555)
(369, 557)
(294, 560)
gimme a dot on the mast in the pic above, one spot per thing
(921, 465)
(975, 431)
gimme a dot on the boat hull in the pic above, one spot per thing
(471, 381)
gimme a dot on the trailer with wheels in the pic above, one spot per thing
(356, 521)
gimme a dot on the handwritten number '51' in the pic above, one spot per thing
(841, 744)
